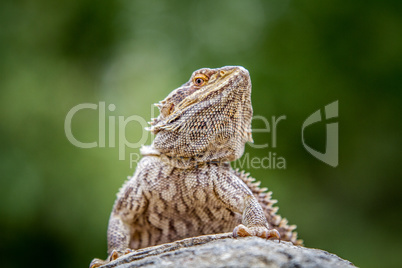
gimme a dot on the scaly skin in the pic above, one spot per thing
(184, 186)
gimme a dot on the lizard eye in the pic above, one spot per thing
(200, 80)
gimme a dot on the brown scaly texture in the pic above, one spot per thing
(184, 185)
(264, 199)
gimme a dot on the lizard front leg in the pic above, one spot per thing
(254, 222)
(235, 194)
(118, 236)
(129, 205)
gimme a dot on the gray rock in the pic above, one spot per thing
(230, 252)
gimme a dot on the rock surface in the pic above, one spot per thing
(230, 252)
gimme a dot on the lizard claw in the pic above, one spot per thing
(114, 255)
(262, 232)
(240, 230)
(96, 263)
(273, 233)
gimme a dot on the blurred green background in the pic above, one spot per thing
(55, 198)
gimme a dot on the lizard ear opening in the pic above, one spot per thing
(167, 109)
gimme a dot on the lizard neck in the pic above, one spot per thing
(181, 162)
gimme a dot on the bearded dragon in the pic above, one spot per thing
(184, 185)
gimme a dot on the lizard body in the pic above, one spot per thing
(184, 186)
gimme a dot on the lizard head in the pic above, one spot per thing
(208, 118)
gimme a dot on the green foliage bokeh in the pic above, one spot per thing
(55, 198)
